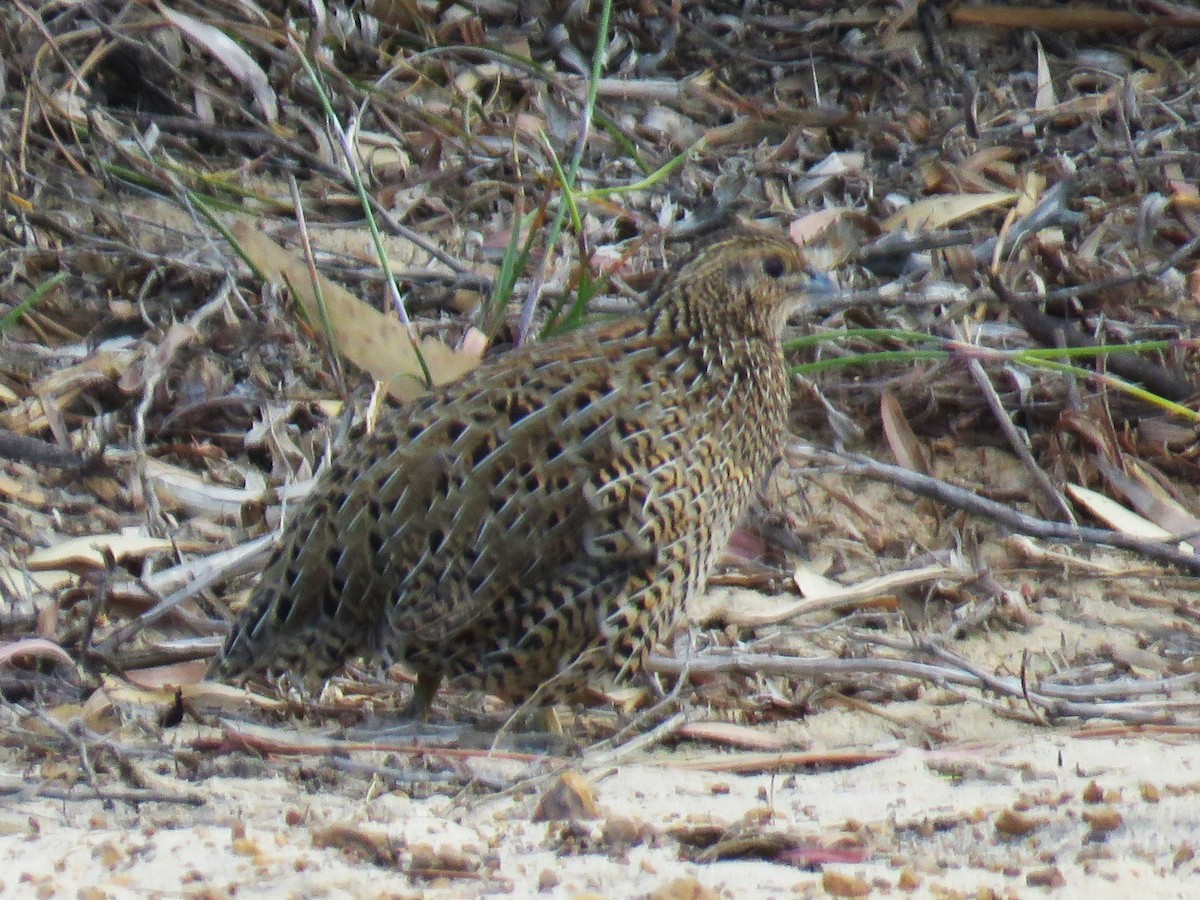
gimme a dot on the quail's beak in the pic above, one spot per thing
(809, 290)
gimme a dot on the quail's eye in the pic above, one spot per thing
(773, 266)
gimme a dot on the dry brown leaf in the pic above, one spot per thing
(933, 213)
(1016, 222)
(831, 236)
(90, 552)
(21, 492)
(987, 170)
(570, 797)
(96, 713)
(1117, 517)
(226, 696)
(992, 163)
(718, 603)
(97, 369)
(224, 49)
(171, 676)
(1030, 550)
(1046, 98)
(62, 386)
(163, 689)
(835, 165)
(624, 699)
(376, 343)
(1148, 496)
(753, 609)
(474, 343)
(180, 488)
(901, 439)
(384, 157)
(368, 845)
(35, 648)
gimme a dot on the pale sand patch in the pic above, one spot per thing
(932, 813)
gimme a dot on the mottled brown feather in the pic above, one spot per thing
(548, 515)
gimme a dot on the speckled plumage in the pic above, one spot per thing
(548, 515)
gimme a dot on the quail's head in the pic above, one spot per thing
(747, 284)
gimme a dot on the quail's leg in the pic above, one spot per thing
(426, 688)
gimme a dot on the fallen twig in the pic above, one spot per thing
(34, 450)
(1047, 329)
(27, 791)
(968, 501)
(957, 671)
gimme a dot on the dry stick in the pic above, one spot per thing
(156, 367)
(958, 671)
(1123, 687)
(249, 554)
(611, 753)
(95, 792)
(1129, 711)
(784, 761)
(960, 498)
(897, 246)
(276, 741)
(99, 603)
(1104, 284)
(1046, 329)
(1017, 441)
(806, 667)
(420, 776)
(28, 449)
(333, 351)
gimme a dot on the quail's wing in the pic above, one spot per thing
(495, 487)
(432, 523)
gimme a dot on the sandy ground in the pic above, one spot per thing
(1041, 811)
(969, 795)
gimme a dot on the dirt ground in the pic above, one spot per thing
(910, 690)
(937, 791)
(1026, 811)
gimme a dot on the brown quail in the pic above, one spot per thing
(548, 515)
